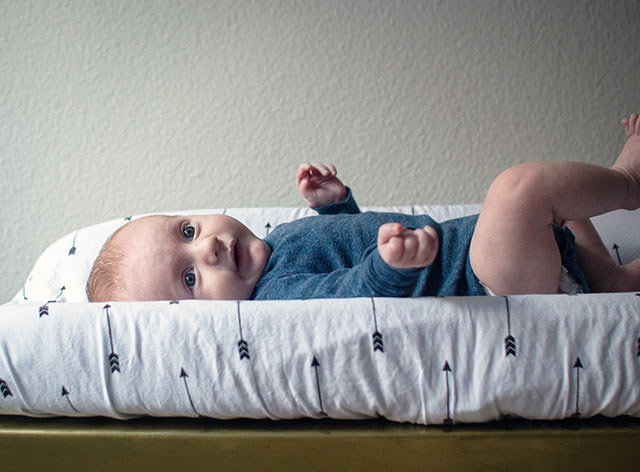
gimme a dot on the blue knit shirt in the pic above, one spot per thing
(334, 255)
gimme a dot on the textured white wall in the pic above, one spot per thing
(111, 108)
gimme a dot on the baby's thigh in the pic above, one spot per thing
(511, 254)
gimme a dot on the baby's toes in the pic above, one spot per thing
(632, 124)
(625, 123)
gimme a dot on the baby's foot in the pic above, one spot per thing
(629, 160)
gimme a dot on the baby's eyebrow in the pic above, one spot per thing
(175, 225)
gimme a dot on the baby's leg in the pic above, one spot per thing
(603, 274)
(513, 249)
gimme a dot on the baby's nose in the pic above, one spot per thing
(209, 249)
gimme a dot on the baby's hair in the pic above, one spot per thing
(106, 281)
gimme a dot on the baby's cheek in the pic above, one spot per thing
(230, 287)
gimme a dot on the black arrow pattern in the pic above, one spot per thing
(243, 346)
(43, 310)
(184, 376)
(378, 343)
(577, 365)
(243, 349)
(114, 362)
(316, 365)
(72, 249)
(24, 291)
(617, 249)
(510, 341)
(4, 389)
(114, 359)
(65, 394)
(446, 369)
(510, 346)
(267, 228)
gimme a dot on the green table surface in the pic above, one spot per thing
(306, 445)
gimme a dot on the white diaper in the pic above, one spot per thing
(568, 284)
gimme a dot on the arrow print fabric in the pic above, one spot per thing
(577, 365)
(616, 248)
(24, 288)
(447, 370)
(5, 391)
(72, 249)
(184, 377)
(43, 310)
(510, 348)
(315, 365)
(243, 346)
(65, 394)
(376, 337)
(114, 359)
(327, 357)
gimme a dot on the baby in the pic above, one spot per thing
(532, 236)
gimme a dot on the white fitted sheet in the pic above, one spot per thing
(422, 360)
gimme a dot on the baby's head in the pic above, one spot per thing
(176, 257)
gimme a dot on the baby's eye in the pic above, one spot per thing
(190, 279)
(188, 231)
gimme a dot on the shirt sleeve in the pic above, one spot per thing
(372, 277)
(348, 205)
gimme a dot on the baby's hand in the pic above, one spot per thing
(404, 248)
(319, 185)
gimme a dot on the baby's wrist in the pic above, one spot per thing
(342, 195)
(346, 205)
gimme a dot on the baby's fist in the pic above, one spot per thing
(404, 248)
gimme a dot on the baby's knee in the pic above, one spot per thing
(522, 183)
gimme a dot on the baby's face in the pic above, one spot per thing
(203, 256)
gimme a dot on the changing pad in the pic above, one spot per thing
(423, 360)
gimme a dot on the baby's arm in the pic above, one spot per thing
(404, 248)
(319, 184)
(372, 276)
(392, 266)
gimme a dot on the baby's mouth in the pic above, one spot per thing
(234, 253)
(235, 257)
